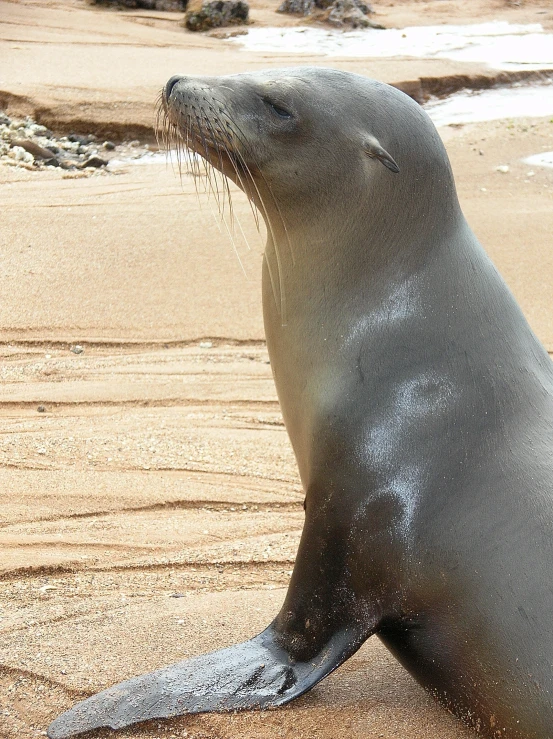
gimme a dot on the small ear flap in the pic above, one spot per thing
(375, 151)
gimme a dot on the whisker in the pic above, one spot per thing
(224, 179)
(226, 190)
(220, 141)
(208, 170)
(244, 142)
(232, 156)
(210, 141)
(282, 292)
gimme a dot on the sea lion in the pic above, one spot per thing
(418, 401)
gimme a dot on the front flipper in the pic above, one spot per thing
(255, 674)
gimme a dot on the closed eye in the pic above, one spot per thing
(281, 112)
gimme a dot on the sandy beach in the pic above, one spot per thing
(150, 502)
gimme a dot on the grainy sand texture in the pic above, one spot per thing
(150, 506)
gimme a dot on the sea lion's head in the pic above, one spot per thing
(315, 145)
(291, 130)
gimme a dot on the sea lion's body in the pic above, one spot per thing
(418, 402)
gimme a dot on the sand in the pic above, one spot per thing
(151, 510)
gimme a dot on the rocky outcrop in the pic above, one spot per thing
(174, 5)
(202, 16)
(303, 7)
(351, 14)
(340, 13)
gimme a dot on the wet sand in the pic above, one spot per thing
(152, 509)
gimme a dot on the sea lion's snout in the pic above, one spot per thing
(170, 85)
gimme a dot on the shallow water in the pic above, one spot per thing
(545, 159)
(149, 157)
(467, 106)
(499, 44)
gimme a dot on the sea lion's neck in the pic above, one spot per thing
(330, 260)
(359, 229)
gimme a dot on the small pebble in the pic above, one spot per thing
(503, 168)
(39, 130)
(19, 154)
(77, 349)
(95, 161)
(206, 344)
(81, 140)
(41, 409)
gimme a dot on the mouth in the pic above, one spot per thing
(215, 153)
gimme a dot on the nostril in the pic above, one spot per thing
(169, 86)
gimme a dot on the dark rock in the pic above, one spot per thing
(95, 161)
(171, 5)
(297, 7)
(4, 120)
(351, 13)
(215, 13)
(109, 145)
(303, 7)
(165, 5)
(83, 140)
(41, 409)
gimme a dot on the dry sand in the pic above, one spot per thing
(153, 510)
